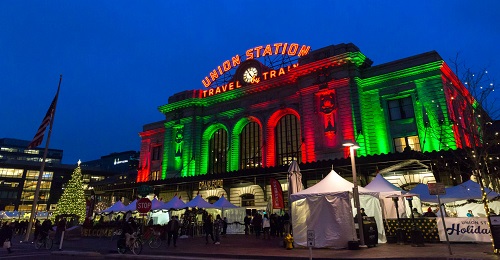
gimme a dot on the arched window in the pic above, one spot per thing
(250, 152)
(247, 200)
(218, 152)
(212, 199)
(288, 140)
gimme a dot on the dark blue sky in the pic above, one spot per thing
(120, 60)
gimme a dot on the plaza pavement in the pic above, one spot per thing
(249, 247)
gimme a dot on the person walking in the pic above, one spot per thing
(224, 227)
(247, 220)
(61, 227)
(173, 230)
(208, 227)
(257, 224)
(6, 236)
(266, 226)
(218, 225)
(38, 227)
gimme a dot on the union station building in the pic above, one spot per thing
(255, 113)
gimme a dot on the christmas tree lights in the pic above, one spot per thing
(72, 201)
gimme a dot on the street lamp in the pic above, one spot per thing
(352, 146)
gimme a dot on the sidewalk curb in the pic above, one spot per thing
(77, 253)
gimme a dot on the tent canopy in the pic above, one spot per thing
(331, 184)
(131, 207)
(174, 203)
(465, 191)
(223, 203)
(199, 202)
(156, 204)
(379, 183)
(117, 207)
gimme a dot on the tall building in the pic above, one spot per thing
(19, 171)
(258, 112)
(20, 168)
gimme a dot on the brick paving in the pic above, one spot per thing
(249, 247)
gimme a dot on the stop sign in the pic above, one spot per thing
(143, 205)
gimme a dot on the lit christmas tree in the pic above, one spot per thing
(72, 201)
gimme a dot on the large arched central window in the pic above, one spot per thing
(250, 153)
(218, 152)
(288, 141)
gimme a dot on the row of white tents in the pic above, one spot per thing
(174, 204)
(327, 207)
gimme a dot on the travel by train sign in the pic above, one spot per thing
(252, 77)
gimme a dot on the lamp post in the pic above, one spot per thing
(352, 146)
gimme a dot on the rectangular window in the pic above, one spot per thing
(407, 142)
(401, 108)
(155, 176)
(156, 156)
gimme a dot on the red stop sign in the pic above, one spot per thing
(143, 205)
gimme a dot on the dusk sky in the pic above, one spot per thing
(120, 60)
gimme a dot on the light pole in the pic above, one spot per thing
(352, 146)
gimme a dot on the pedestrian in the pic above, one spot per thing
(173, 230)
(218, 225)
(266, 226)
(224, 227)
(6, 236)
(38, 227)
(247, 221)
(208, 227)
(61, 227)
(257, 224)
(45, 229)
(416, 214)
(430, 213)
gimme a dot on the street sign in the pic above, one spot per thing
(144, 190)
(310, 238)
(143, 205)
(436, 188)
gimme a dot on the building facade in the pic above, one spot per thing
(20, 168)
(283, 102)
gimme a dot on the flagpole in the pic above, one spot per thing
(42, 167)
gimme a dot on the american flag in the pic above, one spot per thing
(37, 140)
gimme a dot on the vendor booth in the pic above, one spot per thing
(385, 188)
(327, 207)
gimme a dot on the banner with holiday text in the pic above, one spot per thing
(277, 194)
(464, 229)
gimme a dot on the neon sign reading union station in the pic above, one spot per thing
(252, 73)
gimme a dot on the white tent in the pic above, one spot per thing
(319, 201)
(131, 207)
(174, 203)
(385, 188)
(117, 207)
(199, 202)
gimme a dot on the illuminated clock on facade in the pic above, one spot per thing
(249, 74)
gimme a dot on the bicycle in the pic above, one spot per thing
(44, 242)
(135, 248)
(153, 238)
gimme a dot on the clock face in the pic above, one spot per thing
(249, 74)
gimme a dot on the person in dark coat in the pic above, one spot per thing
(38, 227)
(257, 224)
(6, 234)
(173, 230)
(61, 226)
(224, 226)
(208, 227)
(247, 220)
(45, 228)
